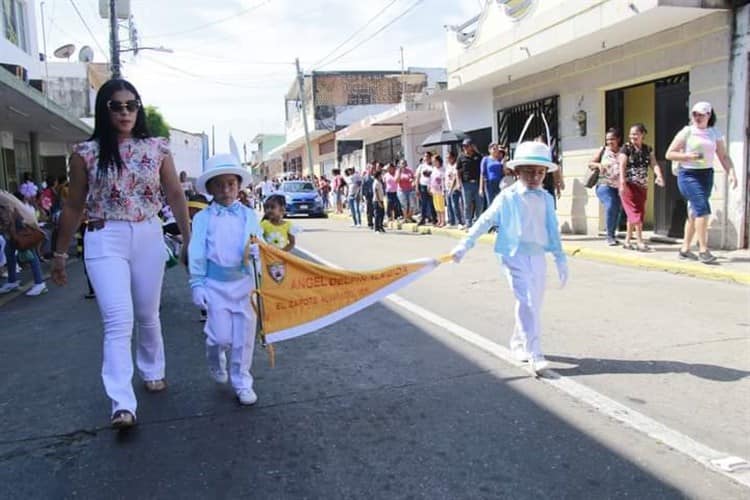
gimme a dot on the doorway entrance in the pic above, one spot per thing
(662, 106)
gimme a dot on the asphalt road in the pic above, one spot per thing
(385, 404)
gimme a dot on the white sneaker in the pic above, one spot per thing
(37, 289)
(219, 376)
(538, 364)
(247, 397)
(9, 287)
(519, 354)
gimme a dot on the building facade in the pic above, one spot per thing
(333, 101)
(35, 131)
(263, 163)
(189, 151)
(603, 63)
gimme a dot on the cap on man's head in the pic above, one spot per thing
(468, 142)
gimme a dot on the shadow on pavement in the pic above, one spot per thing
(373, 407)
(598, 366)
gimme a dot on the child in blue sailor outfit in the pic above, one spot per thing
(524, 215)
(220, 282)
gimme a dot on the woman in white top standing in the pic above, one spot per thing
(118, 176)
(695, 147)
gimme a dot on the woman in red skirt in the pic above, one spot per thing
(635, 159)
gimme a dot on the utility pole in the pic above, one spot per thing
(44, 45)
(403, 77)
(301, 83)
(114, 41)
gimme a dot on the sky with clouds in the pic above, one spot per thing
(233, 60)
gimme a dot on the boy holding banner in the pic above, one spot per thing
(220, 282)
(527, 228)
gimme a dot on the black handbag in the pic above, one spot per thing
(592, 175)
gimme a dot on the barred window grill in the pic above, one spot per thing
(510, 122)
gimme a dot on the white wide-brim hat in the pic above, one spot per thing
(219, 165)
(532, 153)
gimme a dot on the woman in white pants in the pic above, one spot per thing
(118, 176)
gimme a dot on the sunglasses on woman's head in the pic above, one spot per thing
(118, 106)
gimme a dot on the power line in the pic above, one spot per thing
(357, 32)
(212, 23)
(383, 28)
(73, 3)
(206, 78)
(234, 61)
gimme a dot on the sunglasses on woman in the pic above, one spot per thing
(118, 106)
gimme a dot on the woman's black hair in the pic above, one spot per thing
(275, 200)
(640, 127)
(438, 158)
(712, 118)
(105, 134)
(614, 131)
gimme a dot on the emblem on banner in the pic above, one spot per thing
(277, 270)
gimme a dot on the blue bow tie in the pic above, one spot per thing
(233, 209)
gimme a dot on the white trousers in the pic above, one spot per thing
(526, 276)
(230, 328)
(125, 263)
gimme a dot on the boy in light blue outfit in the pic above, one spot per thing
(221, 282)
(527, 228)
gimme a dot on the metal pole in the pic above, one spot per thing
(403, 80)
(213, 140)
(114, 40)
(301, 82)
(44, 48)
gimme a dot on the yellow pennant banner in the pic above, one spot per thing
(298, 296)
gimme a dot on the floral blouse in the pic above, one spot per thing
(133, 194)
(610, 172)
(639, 160)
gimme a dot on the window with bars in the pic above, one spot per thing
(14, 23)
(359, 98)
(510, 122)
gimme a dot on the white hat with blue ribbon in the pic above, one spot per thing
(533, 152)
(219, 165)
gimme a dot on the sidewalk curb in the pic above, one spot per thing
(685, 268)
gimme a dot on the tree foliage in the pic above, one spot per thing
(156, 123)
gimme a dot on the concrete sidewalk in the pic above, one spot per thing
(731, 265)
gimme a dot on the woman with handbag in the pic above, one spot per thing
(117, 177)
(695, 147)
(22, 236)
(607, 170)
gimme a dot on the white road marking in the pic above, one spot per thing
(705, 455)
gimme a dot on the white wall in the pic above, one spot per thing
(12, 54)
(736, 132)
(187, 151)
(700, 47)
(470, 110)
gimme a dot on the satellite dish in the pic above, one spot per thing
(86, 54)
(65, 51)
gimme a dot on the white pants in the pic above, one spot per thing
(526, 276)
(230, 327)
(125, 263)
